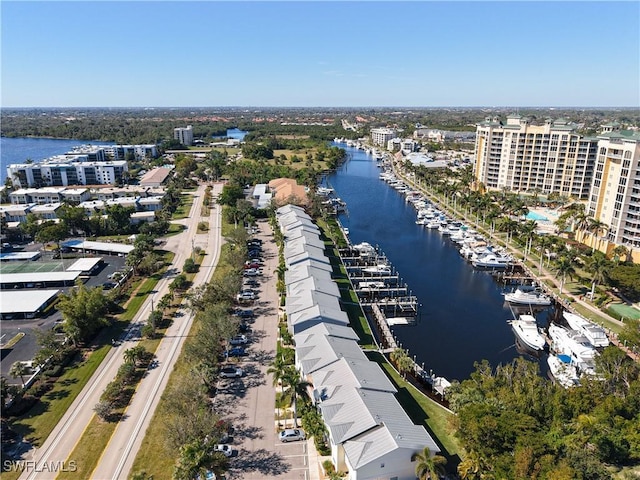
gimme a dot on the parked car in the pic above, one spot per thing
(239, 340)
(245, 296)
(108, 285)
(243, 327)
(251, 282)
(235, 352)
(291, 435)
(244, 313)
(225, 449)
(252, 272)
(251, 265)
(231, 371)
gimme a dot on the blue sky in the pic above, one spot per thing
(326, 53)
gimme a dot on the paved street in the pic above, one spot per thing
(249, 402)
(69, 430)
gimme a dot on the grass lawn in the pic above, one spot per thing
(184, 208)
(174, 229)
(423, 411)
(625, 311)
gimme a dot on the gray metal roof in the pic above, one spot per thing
(350, 373)
(300, 231)
(307, 238)
(307, 318)
(306, 269)
(312, 253)
(380, 441)
(289, 208)
(305, 299)
(291, 249)
(323, 284)
(316, 351)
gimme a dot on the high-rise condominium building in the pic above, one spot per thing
(545, 158)
(380, 136)
(184, 135)
(615, 194)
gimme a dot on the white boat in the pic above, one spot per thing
(365, 250)
(575, 345)
(380, 269)
(594, 333)
(370, 286)
(324, 191)
(563, 371)
(433, 224)
(521, 297)
(526, 329)
(491, 260)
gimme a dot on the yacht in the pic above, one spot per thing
(433, 224)
(324, 191)
(522, 297)
(575, 345)
(526, 329)
(594, 333)
(380, 269)
(491, 260)
(563, 371)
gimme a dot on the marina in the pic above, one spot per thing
(460, 297)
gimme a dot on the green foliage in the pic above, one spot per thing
(190, 266)
(83, 311)
(626, 278)
(515, 424)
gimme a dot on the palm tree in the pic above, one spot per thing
(401, 360)
(597, 228)
(19, 369)
(565, 268)
(196, 460)
(298, 388)
(598, 266)
(278, 369)
(620, 252)
(428, 466)
(471, 467)
(529, 231)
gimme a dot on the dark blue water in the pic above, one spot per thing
(18, 150)
(464, 318)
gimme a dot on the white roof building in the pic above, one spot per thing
(15, 304)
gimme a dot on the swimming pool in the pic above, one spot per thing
(536, 216)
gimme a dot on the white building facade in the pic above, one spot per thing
(380, 136)
(184, 135)
(615, 195)
(64, 170)
(545, 158)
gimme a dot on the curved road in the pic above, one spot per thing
(122, 448)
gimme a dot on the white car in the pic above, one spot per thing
(291, 435)
(225, 449)
(231, 372)
(246, 295)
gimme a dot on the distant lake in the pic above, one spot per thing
(236, 133)
(18, 150)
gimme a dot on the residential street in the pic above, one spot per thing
(123, 445)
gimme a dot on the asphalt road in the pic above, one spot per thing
(249, 402)
(63, 439)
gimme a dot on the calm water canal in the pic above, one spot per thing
(464, 318)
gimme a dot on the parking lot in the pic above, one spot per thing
(249, 402)
(25, 349)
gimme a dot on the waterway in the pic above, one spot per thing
(463, 317)
(19, 150)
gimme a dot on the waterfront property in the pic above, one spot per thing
(523, 157)
(370, 435)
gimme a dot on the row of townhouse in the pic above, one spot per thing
(601, 170)
(144, 209)
(370, 435)
(76, 196)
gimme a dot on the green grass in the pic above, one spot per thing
(36, 425)
(625, 311)
(89, 449)
(175, 229)
(423, 411)
(184, 208)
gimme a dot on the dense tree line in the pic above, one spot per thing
(515, 424)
